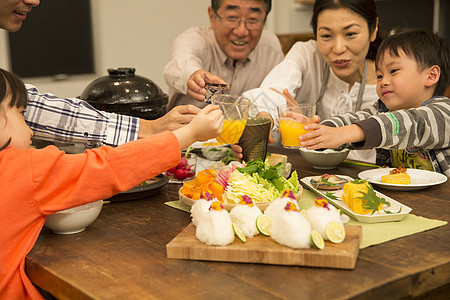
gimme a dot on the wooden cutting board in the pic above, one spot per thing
(265, 250)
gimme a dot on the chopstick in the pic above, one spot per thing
(356, 163)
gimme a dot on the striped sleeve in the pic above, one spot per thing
(351, 118)
(71, 120)
(426, 127)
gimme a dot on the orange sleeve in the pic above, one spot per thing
(62, 181)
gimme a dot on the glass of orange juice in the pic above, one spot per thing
(235, 112)
(292, 122)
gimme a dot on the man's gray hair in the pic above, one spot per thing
(215, 4)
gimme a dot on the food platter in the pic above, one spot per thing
(228, 206)
(420, 179)
(142, 191)
(264, 250)
(397, 210)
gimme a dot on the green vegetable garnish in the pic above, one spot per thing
(331, 196)
(370, 199)
(274, 174)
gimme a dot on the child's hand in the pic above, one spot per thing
(207, 124)
(323, 137)
(290, 101)
(297, 117)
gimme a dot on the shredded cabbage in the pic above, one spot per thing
(256, 187)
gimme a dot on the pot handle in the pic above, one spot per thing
(121, 72)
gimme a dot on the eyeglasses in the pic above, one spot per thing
(235, 22)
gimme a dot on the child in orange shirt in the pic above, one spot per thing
(35, 183)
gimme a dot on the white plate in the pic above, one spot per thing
(420, 179)
(396, 214)
(208, 143)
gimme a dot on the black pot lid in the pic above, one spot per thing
(123, 86)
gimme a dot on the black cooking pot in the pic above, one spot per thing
(125, 93)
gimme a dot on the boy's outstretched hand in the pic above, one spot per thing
(323, 137)
(207, 124)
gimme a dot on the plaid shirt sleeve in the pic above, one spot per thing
(71, 120)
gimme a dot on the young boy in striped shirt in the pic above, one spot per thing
(410, 123)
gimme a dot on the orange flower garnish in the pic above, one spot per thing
(216, 206)
(290, 207)
(288, 194)
(246, 200)
(321, 202)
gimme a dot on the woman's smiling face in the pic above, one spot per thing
(343, 38)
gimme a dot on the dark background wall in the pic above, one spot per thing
(413, 14)
(55, 39)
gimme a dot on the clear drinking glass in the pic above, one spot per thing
(235, 111)
(185, 170)
(214, 88)
(292, 122)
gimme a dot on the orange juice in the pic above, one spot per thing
(231, 131)
(290, 131)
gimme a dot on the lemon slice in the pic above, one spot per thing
(335, 232)
(317, 239)
(238, 232)
(264, 224)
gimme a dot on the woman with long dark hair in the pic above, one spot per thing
(336, 71)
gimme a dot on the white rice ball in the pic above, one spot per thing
(319, 217)
(200, 207)
(278, 206)
(291, 229)
(214, 228)
(245, 216)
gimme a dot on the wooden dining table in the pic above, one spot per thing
(122, 255)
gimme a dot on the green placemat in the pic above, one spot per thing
(179, 205)
(373, 233)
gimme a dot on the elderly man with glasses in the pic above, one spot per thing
(234, 50)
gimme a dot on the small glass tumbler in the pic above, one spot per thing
(214, 88)
(292, 123)
(185, 170)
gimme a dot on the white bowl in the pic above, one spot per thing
(326, 159)
(214, 153)
(75, 219)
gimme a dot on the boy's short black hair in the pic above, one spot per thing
(426, 48)
(215, 4)
(11, 84)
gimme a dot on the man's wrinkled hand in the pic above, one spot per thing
(197, 81)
